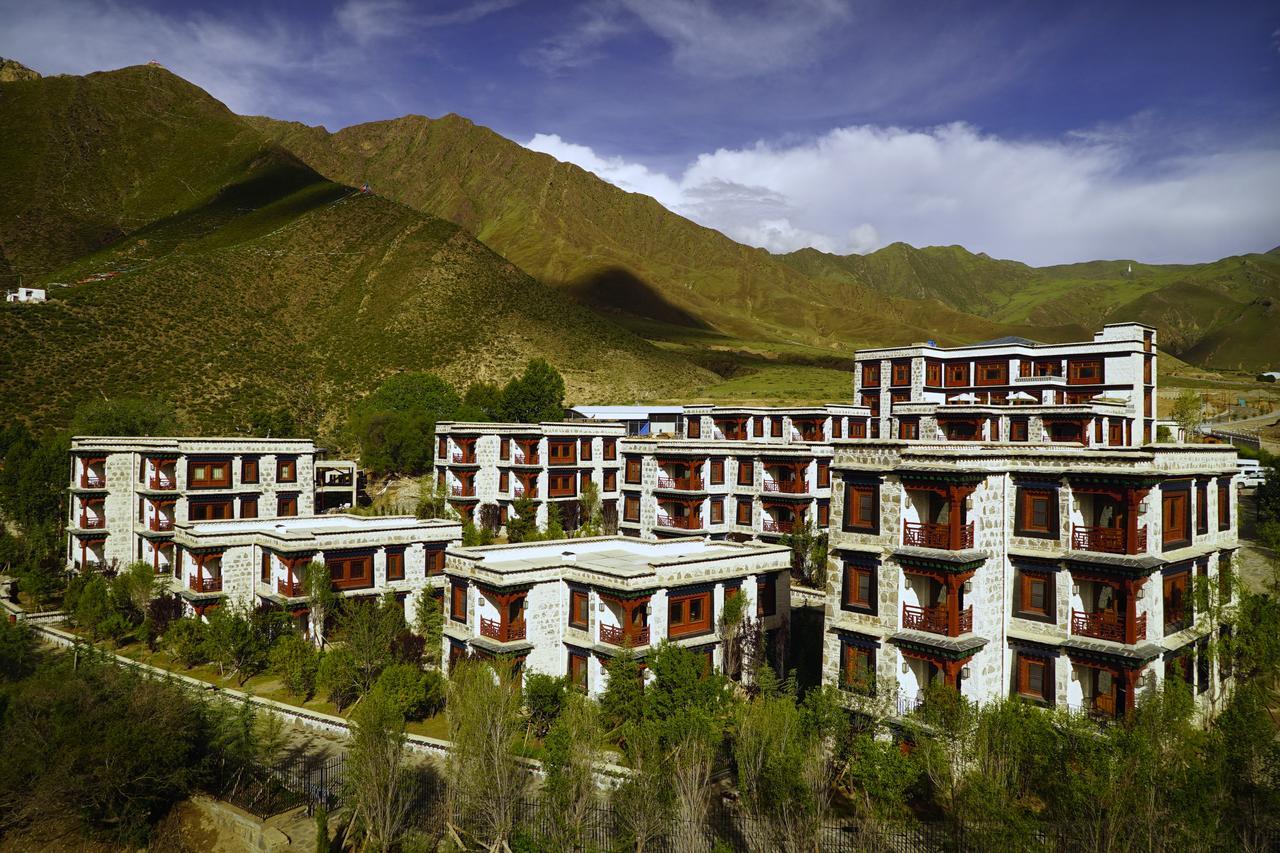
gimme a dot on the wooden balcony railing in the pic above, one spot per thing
(1105, 625)
(687, 522)
(929, 535)
(289, 588)
(464, 458)
(786, 487)
(97, 523)
(161, 524)
(200, 584)
(1107, 540)
(934, 620)
(93, 481)
(615, 636)
(460, 491)
(495, 630)
(687, 484)
(162, 483)
(771, 526)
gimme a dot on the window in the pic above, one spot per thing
(693, 427)
(1034, 596)
(746, 472)
(857, 668)
(992, 372)
(206, 474)
(579, 616)
(857, 429)
(933, 373)
(1224, 504)
(862, 507)
(871, 375)
(688, 614)
(900, 397)
(1115, 433)
(458, 601)
(744, 512)
(859, 588)
(218, 509)
(249, 469)
(1202, 507)
(504, 449)
(824, 514)
(775, 426)
(908, 429)
(901, 373)
(633, 470)
(1018, 429)
(631, 508)
(1084, 371)
(561, 485)
(717, 472)
(504, 482)
(442, 450)
(717, 510)
(1177, 516)
(837, 427)
(767, 595)
(1035, 678)
(395, 564)
(286, 505)
(1177, 601)
(350, 571)
(264, 574)
(610, 449)
(584, 450)
(286, 469)
(1037, 513)
(578, 669)
(435, 561)
(610, 481)
(872, 402)
(957, 375)
(560, 452)
(249, 507)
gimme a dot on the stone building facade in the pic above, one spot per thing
(568, 607)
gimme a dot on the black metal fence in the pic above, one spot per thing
(267, 790)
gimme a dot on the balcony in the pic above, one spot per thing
(289, 588)
(460, 491)
(97, 523)
(162, 483)
(1106, 540)
(687, 484)
(787, 487)
(1106, 625)
(495, 630)
(615, 636)
(934, 620)
(161, 525)
(929, 535)
(199, 584)
(93, 481)
(771, 526)
(462, 458)
(686, 522)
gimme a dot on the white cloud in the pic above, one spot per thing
(854, 189)
(368, 20)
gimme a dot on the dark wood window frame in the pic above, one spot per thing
(1019, 429)
(1171, 496)
(458, 601)
(689, 614)
(991, 373)
(631, 508)
(634, 471)
(767, 595)
(286, 469)
(862, 507)
(857, 667)
(249, 469)
(901, 374)
(249, 507)
(746, 472)
(579, 608)
(744, 518)
(395, 564)
(1030, 666)
(209, 473)
(717, 472)
(434, 560)
(350, 571)
(1036, 513)
(287, 505)
(1224, 504)
(857, 577)
(1030, 583)
(211, 509)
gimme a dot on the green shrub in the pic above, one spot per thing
(339, 677)
(414, 693)
(185, 641)
(296, 661)
(544, 696)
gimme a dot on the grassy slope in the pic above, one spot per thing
(274, 286)
(617, 251)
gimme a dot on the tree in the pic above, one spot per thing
(297, 662)
(555, 528)
(338, 676)
(591, 510)
(395, 442)
(321, 598)
(544, 697)
(378, 782)
(273, 423)
(643, 803)
(682, 684)
(522, 525)
(92, 606)
(125, 416)
(623, 699)
(415, 694)
(425, 393)
(1188, 411)
(235, 641)
(482, 402)
(433, 499)
(185, 640)
(537, 395)
(485, 779)
(429, 622)
(368, 631)
(473, 536)
(18, 650)
(569, 790)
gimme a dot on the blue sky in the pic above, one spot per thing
(1040, 131)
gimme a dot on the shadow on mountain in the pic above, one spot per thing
(618, 290)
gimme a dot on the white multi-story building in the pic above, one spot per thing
(566, 608)
(128, 494)
(251, 561)
(1066, 575)
(485, 468)
(1097, 393)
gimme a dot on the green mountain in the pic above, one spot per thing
(205, 264)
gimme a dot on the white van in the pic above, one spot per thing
(1252, 473)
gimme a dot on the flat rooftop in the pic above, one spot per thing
(311, 527)
(618, 556)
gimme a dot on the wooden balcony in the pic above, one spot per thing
(1106, 625)
(199, 584)
(162, 483)
(615, 636)
(460, 491)
(688, 522)
(1106, 540)
(461, 458)
(495, 630)
(92, 481)
(687, 484)
(161, 525)
(787, 487)
(934, 620)
(929, 535)
(771, 526)
(87, 523)
(289, 588)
